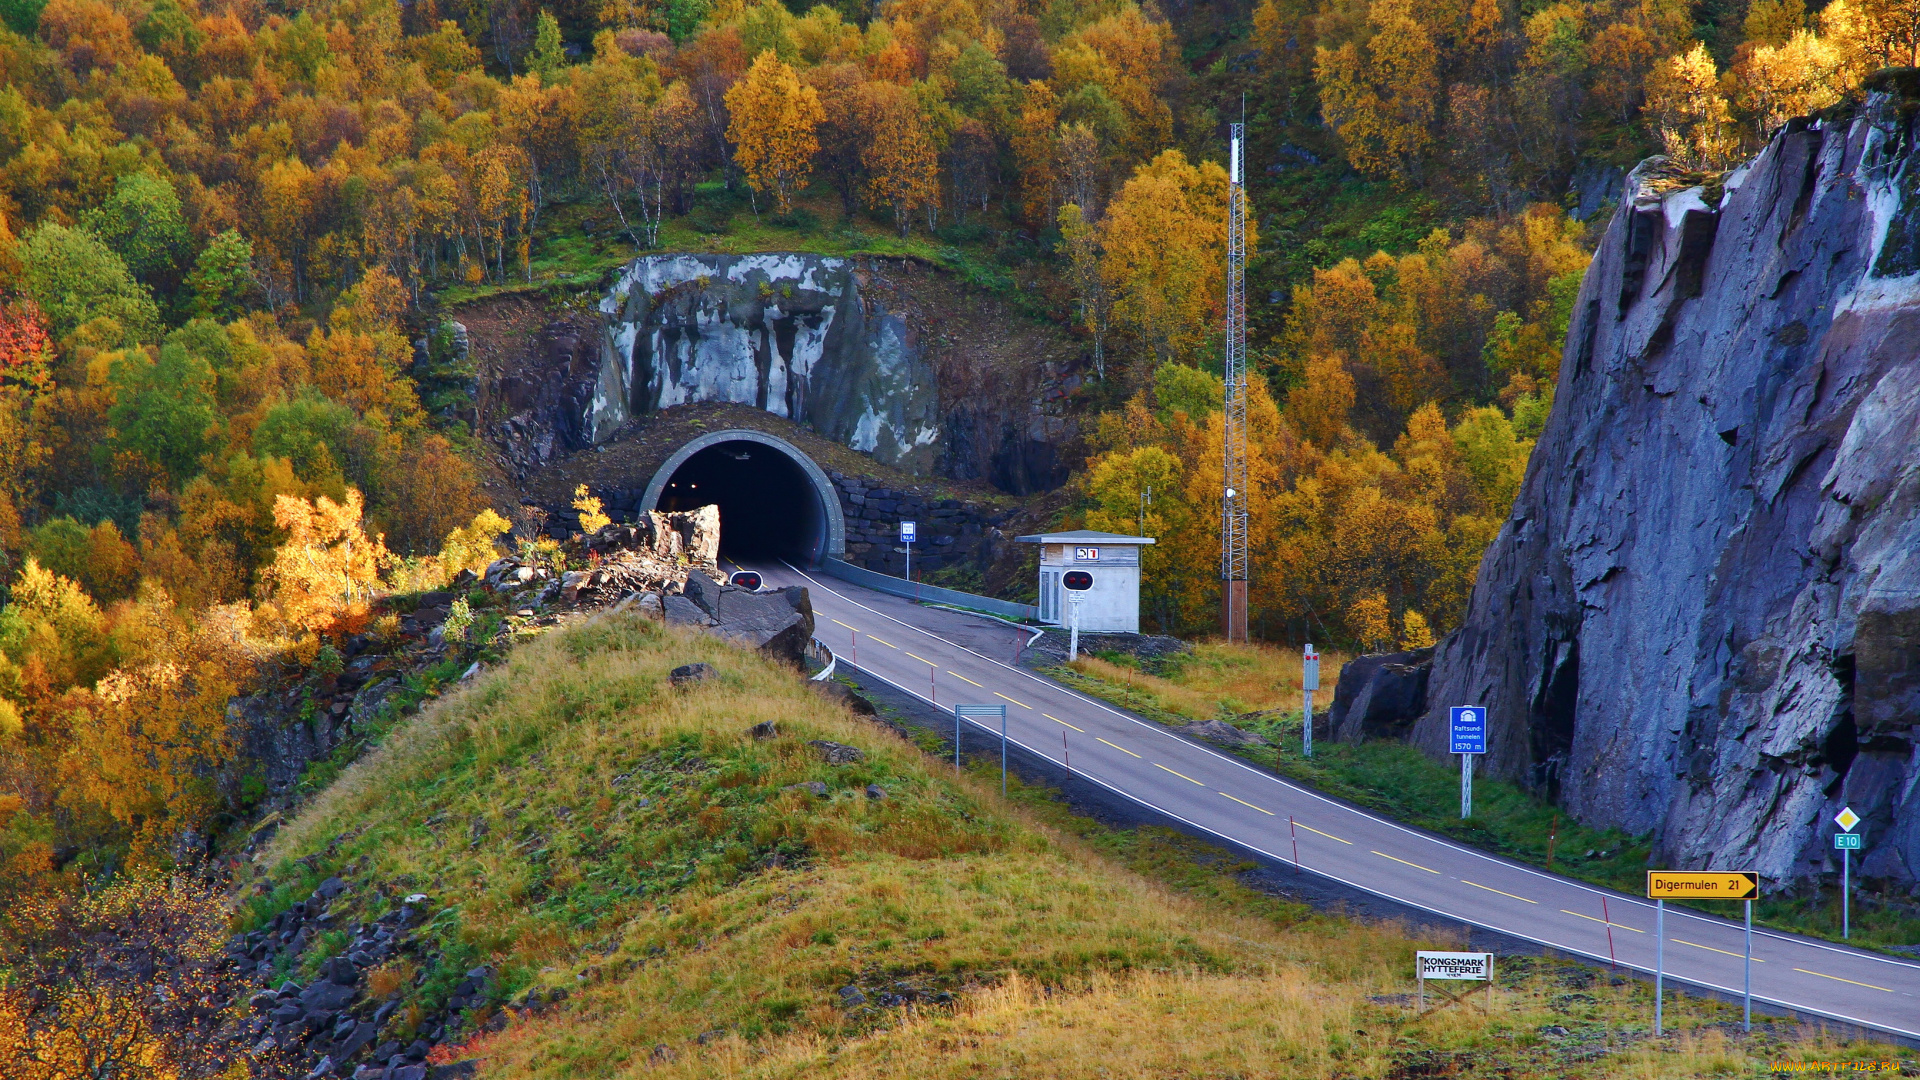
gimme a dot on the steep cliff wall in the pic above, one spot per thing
(790, 334)
(1703, 617)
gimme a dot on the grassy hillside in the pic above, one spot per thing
(580, 824)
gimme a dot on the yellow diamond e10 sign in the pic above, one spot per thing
(1702, 885)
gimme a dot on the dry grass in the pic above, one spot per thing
(579, 824)
(1218, 680)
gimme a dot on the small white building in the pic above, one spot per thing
(1112, 604)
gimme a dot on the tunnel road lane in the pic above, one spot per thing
(1212, 792)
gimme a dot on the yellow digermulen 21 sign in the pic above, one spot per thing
(1702, 885)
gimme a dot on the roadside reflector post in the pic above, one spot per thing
(1309, 682)
(1467, 735)
(1698, 885)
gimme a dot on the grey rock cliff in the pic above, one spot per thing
(1702, 619)
(789, 333)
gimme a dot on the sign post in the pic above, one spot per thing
(1846, 842)
(976, 712)
(1468, 730)
(1076, 582)
(1455, 967)
(909, 531)
(1697, 885)
(1309, 682)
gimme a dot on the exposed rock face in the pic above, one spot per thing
(778, 622)
(1379, 696)
(791, 334)
(1703, 617)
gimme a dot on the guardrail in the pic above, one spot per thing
(914, 590)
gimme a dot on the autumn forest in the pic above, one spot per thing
(225, 224)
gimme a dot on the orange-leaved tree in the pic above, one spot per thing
(772, 127)
(129, 980)
(329, 567)
(1382, 96)
(149, 742)
(901, 160)
(1164, 241)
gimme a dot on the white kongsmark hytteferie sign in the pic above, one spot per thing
(1455, 965)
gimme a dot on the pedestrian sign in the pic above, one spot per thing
(1846, 818)
(1846, 841)
(1468, 728)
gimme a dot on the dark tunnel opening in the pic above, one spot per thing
(769, 507)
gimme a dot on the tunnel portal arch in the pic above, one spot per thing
(819, 531)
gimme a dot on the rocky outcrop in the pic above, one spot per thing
(789, 333)
(1702, 619)
(778, 622)
(1223, 734)
(1379, 696)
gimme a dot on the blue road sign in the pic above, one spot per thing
(908, 532)
(1846, 841)
(1468, 725)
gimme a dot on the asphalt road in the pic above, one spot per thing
(950, 658)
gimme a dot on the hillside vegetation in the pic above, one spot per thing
(581, 825)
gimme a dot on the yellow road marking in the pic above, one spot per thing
(888, 644)
(1602, 922)
(922, 659)
(1710, 948)
(1404, 862)
(1057, 720)
(1244, 802)
(1181, 775)
(1837, 978)
(1328, 835)
(964, 679)
(1118, 747)
(1490, 888)
(1004, 697)
(855, 629)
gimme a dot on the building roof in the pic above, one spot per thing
(1084, 536)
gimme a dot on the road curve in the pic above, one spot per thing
(946, 658)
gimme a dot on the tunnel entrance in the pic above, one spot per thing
(775, 502)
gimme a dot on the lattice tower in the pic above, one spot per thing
(1233, 495)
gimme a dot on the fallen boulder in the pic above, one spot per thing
(688, 674)
(778, 622)
(1222, 733)
(1379, 696)
(834, 753)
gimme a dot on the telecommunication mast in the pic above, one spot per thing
(1233, 501)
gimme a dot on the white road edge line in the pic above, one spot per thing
(1394, 825)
